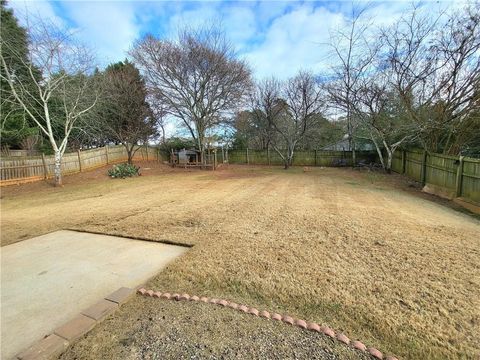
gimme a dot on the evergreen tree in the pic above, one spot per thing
(123, 114)
(14, 124)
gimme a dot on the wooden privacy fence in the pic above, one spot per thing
(300, 158)
(20, 170)
(448, 176)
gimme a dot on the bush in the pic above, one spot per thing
(123, 171)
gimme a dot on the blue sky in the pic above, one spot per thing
(275, 37)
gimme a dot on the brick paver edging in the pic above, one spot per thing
(358, 345)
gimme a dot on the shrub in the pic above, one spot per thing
(123, 171)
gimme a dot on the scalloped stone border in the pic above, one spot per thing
(356, 344)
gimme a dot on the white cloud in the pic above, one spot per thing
(27, 11)
(109, 28)
(298, 37)
(276, 37)
(295, 40)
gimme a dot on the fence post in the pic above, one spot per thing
(146, 151)
(45, 169)
(315, 157)
(214, 159)
(459, 178)
(424, 168)
(268, 155)
(404, 160)
(79, 160)
(106, 153)
(248, 161)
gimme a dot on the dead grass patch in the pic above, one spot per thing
(363, 253)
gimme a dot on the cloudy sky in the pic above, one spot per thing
(275, 37)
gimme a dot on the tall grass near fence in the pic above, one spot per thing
(15, 170)
(450, 176)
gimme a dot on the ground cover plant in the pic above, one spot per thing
(123, 171)
(367, 255)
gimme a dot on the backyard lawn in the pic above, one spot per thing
(361, 252)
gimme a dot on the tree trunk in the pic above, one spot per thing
(129, 154)
(202, 151)
(389, 161)
(290, 155)
(354, 154)
(288, 159)
(58, 168)
(379, 152)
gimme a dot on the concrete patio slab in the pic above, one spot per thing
(48, 280)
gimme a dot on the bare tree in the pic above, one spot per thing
(266, 108)
(436, 72)
(302, 106)
(159, 113)
(198, 77)
(63, 86)
(284, 112)
(354, 54)
(381, 115)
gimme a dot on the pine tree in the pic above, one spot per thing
(15, 126)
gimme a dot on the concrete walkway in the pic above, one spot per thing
(47, 280)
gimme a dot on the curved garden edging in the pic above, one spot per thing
(356, 344)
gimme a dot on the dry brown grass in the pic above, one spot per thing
(360, 252)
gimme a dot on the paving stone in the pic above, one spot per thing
(343, 338)
(375, 353)
(288, 319)
(121, 295)
(277, 317)
(243, 308)
(265, 314)
(76, 327)
(253, 311)
(327, 331)
(223, 302)
(233, 305)
(359, 345)
(100, 309)
(301, 323)
(47, 348)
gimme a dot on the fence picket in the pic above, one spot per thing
(14, 170)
